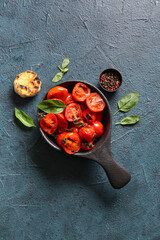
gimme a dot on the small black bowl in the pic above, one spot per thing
(114, 72)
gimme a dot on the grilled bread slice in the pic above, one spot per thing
(27, 84)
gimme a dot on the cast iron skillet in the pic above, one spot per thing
(101, 153)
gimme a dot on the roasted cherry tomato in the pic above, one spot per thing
(80, 92)
(73, 112)
(95, 103)
(99, 128)
(62, 122)
(60, 138)
(72, 128)
(58, 92)
(71, 143)
(69, 99)
(99, 116)
(75, 130)
(87, 146)
(87, 133)
(89, 116)
(49, 123)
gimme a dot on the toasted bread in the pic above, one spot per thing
(27, 84)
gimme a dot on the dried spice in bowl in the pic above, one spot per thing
(110, 80)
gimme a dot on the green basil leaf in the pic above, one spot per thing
(57, 77)
(127, 102)
(65, 62)
(24, 118)
(51, 106)
(132, 119)
(65, 70)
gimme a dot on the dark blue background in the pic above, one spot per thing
(44, 194)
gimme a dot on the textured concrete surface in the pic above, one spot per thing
(44, 195)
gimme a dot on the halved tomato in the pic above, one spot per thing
(60, 138)
(71, 143)
(80, 92)
(49, 123)
(62, 122)
(58, 92)
(95, 103)
(73, 112)
(89, 116)
(87, 146)
(69, 99)
(87, 133)
(99, 128)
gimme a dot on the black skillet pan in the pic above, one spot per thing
(101, 153)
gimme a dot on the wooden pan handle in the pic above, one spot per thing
(117, 175)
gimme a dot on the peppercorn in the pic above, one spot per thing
(110, 81)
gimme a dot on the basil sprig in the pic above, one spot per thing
(24, 118)
(63, 70)
(132, 119)
(127, 102)
(51, 106)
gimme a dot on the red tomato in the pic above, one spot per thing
(80, 92)
(71, 143)
(62, 122)
(89, 116)
(87, 133)
(73, 112)
(99, 116)
(95, 103)
(75, 130)
(60, 137)
(69, 99)
(49, 123)
(87, 146)
(58, 92)
(99, 128)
